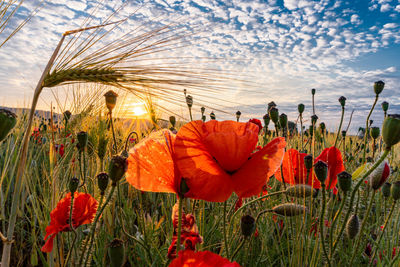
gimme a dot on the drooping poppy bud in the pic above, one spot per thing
(7, 121)
(102, 181)
(117, 168)
(391, 130)
(283, 120)
(395, 190)
(353, 226)
(378, 87)
(82, 140)
(172, 120)
(274, 114)
(116, 252)
(386, 188)
(289, 209)
(73, 184)
(300, 190)
(212, 115)
(308, 161)
(313, 91)
(374, 132)
(238, 113)
(344, 179)
(379, 176)
(266, 119)
(189, 101)
(342, 101)
(111, 99)
(248, 225)
(385, 106)
(301, 108)
(321, 171)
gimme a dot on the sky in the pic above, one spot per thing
(283, 47)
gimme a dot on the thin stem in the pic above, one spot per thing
(340, 127)
(178, 244)
(72, 228)
(335, 219)
(301, 132)
(225, 236)
(321, 224)
(366, 127)
(238, 248)
(113, 133)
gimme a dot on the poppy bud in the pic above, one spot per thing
(73, 184)
(274, 114)
(189, 101)
(117, 168)
(322, 126)
(353, 226)
(283, 120)
(172, 120)
(202, 109)
(266, 119)
(238, 113)
(289, 209)
(67, 115)
(395, 190)
(111, 99)
(248, 225)
(342, 101)
(271, 105)
(212, 115)
(344, 179)
(300, 108)
(7, 121)
(82, 140)
(299, 190)
(116, 252)
(102, 182)
(378, 87)
(102, 147)
(313, 91)
(385, 106)
(203, 118)
(344, 133)
(321, 171)
(391, 130)
(183, 188)
(386, 188)
(379, 176)
(374, 132)
(308, 161)
(314, 119)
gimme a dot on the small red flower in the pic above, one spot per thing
(188, 258)
(84, 210)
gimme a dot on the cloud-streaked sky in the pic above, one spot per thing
(286, 46)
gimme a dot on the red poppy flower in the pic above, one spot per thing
(257, 122)
(295, 172)
(84, 210)
(216, 159)
(188, 258)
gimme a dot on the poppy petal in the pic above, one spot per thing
(151, 166)
(253, 175)
(48, 246)
(288, 167)
(189, 258)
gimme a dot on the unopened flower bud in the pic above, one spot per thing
(300, 108)
(203, 118)
(314, 119)
(300, 190)
(289, 209)
(274, 114)
(117, 168)
(353, 226)
(386, 188)
(321, 171)
(82, 140)
(344, 133)
(238, 113)
(385, 106)
(379, 176)
(202, 109)
(313, 91)
(342, 101)
(378, 87)
(374, 132)
(322, 126)
(344, 180)
(189, 101)
(308, 162)
(172, 120)
(395, 190)
(67, 115)
(212, 115)
(73, 184)
(248, 225)
(391, 130)
(7, 122)
(283, 120)
(111, 99)
(116, 252)
(266, 119)
(102, 182)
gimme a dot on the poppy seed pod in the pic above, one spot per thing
(274, 114)
(111, 99)
(322, 126)
(117, 168)
(300, 108)
(172, 120)
(344, 133)
(289, 209)
(102, 181)
(266, 119)
(7, 121)
(189, 101)
(248, 225)
(116, 252)
(353, 226)
(82, 140)
(344, 179)
(67, 115)
(271, 105)
(102, 147)
(391, 130)
(313, 91)
(395, 190)
(212, 115)
(300, 190)
(202, 109)
(385, 106)
(73, 184)
(342, 101)
(308, 161)
(283, 120)
(321, 171)
(386, 188)
(378, 87)
(314, 119)
(238, 113)
(379, 176)
(203, 118)
(375, 132)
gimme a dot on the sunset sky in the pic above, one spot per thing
(286, 48)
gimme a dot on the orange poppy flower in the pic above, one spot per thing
(84, 210)
(189, 258)
(295, 172)
(216, 158)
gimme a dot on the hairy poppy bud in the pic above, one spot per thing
(189, 101)
(266, 119)
(300, 108)
(374, 132)
(67, 115)
(289, 209)
(212, 115)
(300, 190)
(183, 188)
(391, 130)
(172, 120)
(385, 106)
(7, 121)
(111, 99)
(395, 190)
(313, 91)
(102, 182)
(203, 118)
(344, 133)
(379, 176)
(274, 114)
(202, 109)
(353, 226)
(73, 184)
(248, 225)
(116, 252)
(238, 113)
(283, 120)
(321, 171)
(102, 147)
(386, 188)
(314, 119)
(342, 101)
(117, 168)
(378, 87)
(308, 161)
(82, 140)
(344, 179)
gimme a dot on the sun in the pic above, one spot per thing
(138, 111)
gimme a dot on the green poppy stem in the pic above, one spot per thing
(366, 128)
(321, 224)
(180, 207)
